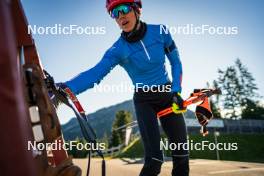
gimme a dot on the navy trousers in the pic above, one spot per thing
(147, 104)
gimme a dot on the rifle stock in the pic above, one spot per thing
(34, 111)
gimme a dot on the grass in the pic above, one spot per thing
(250, 148)
(134, 150)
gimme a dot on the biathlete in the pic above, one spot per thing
(141, 51)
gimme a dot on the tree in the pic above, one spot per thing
(248, 85)
(229, 84)
(238, 90)
(215, 110)
(253, 111)
(115, 140)
(118, 136)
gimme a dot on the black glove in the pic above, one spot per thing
(61, 88)
(177, 104)
(49, 81)
(58, 94)
(55, 90)
(51, 85)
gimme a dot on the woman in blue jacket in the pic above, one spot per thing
(141, 51)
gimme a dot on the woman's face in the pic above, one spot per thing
(127, 22)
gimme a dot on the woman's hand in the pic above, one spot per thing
(177, 105)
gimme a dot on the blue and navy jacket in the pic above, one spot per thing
(144, 61)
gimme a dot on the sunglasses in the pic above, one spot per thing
(124, 9)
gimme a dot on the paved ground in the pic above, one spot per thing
(117, 167)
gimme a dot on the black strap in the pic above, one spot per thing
(87, 131)
(89, 163)
(170, 48)
(88, 134)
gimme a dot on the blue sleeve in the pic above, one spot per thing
(174, 58)
(89, 78)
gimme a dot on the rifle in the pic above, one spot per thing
(34, 116)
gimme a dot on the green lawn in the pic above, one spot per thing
(250, 148)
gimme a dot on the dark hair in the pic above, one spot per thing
(135, 7)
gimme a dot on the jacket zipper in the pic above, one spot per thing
(145, 49)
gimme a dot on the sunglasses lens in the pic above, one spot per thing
(114, 13)
(124, 9)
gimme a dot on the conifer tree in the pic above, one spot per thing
(238, 91)
(118, 136)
